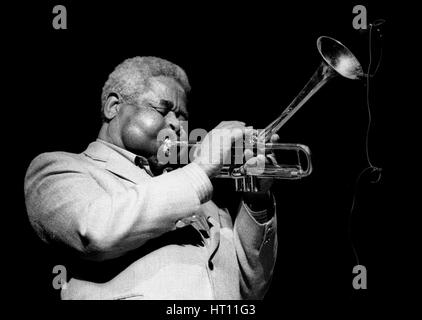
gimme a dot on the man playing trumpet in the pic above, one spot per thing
(131, 229)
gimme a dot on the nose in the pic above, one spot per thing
(173, 122)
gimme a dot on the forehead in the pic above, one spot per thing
(167, 89)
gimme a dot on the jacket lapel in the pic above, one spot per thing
(115, 162)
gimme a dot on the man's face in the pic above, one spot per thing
(161, 107)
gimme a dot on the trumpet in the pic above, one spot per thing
(247, 179)
(337, 60)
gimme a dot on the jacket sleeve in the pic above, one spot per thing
(66, 204)
(256, 250)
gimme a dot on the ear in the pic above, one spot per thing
(112, 106)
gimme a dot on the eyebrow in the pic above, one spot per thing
(169, 105)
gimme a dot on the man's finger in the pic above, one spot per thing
(252, 162)
(256, 161)
(275, 137)
(272, 159)
(248, 154)
(230, 124)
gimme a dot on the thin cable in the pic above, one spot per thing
(351, 214)
(378, 65)
(367, 98)
(370, 167)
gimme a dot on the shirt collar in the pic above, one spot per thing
(138, 160)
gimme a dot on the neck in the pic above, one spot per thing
(106, 134)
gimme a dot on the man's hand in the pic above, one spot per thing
(261, 200)
(258, 163)
(215, 149)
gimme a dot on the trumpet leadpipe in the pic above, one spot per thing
(276, 170)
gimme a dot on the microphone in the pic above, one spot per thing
(377, 23)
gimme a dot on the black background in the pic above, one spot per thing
(245, 62)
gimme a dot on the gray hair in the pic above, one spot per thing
(131, 78)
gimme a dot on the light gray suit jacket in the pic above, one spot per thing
(102, 206)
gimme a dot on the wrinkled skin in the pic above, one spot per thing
(136, 126)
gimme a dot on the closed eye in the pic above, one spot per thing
(161, 110)
(168, 105)
(165, 106)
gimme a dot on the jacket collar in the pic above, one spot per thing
(117, 160)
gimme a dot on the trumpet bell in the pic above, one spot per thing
(339, 58)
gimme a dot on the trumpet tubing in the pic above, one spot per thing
(337, 60)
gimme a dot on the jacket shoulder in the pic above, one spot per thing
(55, 157)
(54, 162)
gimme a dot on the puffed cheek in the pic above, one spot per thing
(151, 122)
